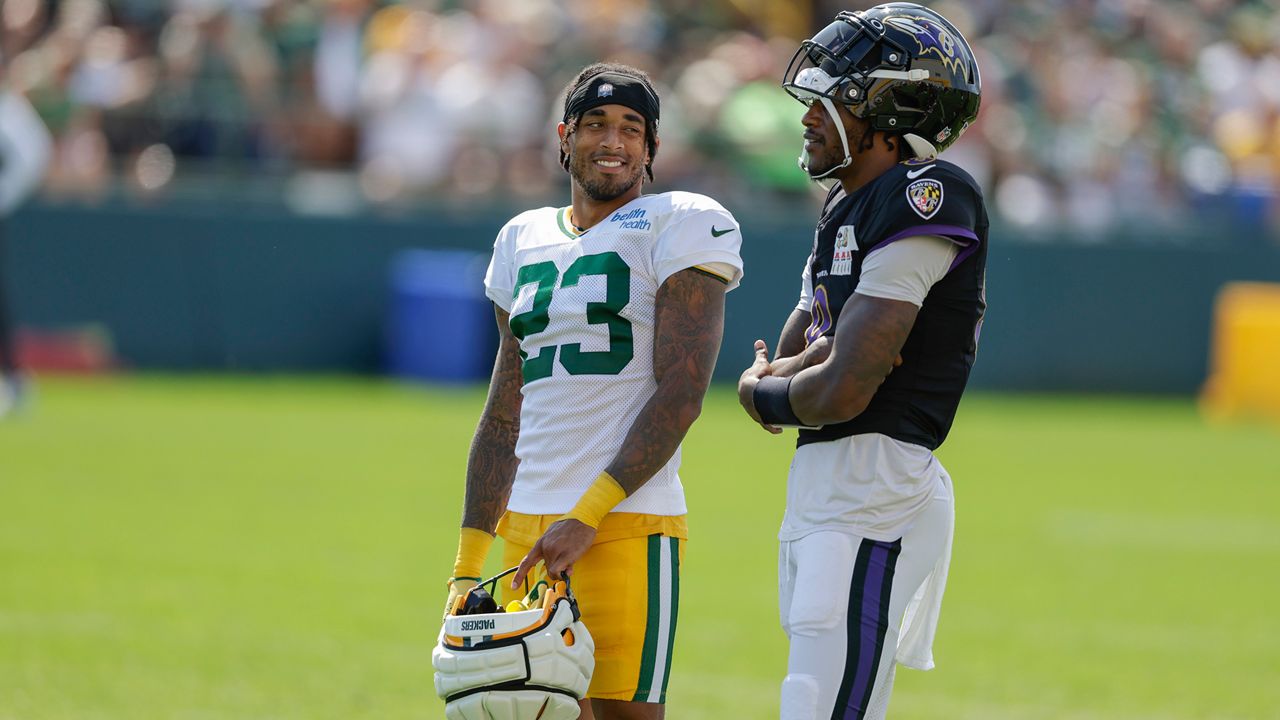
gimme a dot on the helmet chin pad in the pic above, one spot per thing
(921, 148)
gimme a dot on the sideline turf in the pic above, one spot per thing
(275, 548)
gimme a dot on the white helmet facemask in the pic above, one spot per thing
(813, 83)
(817, 84)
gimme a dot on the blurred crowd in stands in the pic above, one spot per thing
(1096, 114)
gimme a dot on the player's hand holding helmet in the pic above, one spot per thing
(458, 587)
(514, 663)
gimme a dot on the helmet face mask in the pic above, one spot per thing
(835, 63)
(901, 67)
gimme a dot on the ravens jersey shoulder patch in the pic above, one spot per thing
(925, 197)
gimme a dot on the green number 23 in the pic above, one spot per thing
(572, 357)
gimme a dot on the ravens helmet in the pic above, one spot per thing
(901, 67)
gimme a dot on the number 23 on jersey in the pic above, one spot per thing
(573, 358)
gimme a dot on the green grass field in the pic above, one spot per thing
(200, 549)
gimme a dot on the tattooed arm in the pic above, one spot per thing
(491, 465)
(688, 327)
(869, 335)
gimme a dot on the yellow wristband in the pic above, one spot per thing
(473, 548)
(597, 501)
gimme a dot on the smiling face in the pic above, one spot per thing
(822, 148)
(607, 152)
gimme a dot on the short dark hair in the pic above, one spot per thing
(590, 71)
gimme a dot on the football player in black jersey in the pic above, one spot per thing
(873, 361)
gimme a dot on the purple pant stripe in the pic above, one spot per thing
(871, 636)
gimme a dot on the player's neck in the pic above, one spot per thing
(867, 166)
(587, 212)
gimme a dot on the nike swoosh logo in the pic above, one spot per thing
(913, 174)
(718, 233)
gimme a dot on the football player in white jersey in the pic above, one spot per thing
(874, 359)
(610, 312)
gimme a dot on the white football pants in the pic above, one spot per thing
(842, 599)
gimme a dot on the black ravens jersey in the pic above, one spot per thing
(918, 400)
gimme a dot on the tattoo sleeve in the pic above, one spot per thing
(491, 464)
(690, 322)
(869, 335)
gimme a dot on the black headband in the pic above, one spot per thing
(608, 88)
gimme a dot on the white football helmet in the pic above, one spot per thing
(525, 665)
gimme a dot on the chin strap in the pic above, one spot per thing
(921, 148)
(844, 143)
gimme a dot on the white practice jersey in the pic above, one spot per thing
(582, 307)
